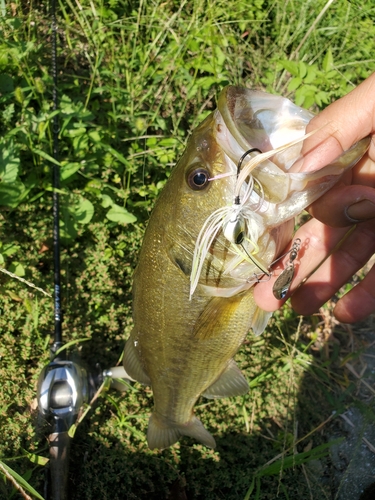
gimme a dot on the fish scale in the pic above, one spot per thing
(192, 296)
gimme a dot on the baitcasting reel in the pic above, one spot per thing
(63, 387)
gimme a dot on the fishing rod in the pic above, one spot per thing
(64, 384)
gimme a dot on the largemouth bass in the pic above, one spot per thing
(219, 223)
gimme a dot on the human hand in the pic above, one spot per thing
(350, 204)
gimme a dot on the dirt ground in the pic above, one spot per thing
(351, 469)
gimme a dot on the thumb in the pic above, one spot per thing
(344, 205)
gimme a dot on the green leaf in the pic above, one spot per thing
(94, 136)
(168, 142)
(298, 459)
(220, 56)
(94, 186)
(8, 113)
(17, 269)
(106, 201)
(46, 156)
(68, 229)
(68, 170)
(310, 100)
(120, 214)
(28, 306)
(302, 69)
(311, 74)
(323, 96)
(331, 74)
(76, 132)
(250, 490)
(10, 194)
(151, 141)
(35, 459)
(117, 155)
(9, 161)
(83, 211)
(290, 66)
(294, 84)
(68, 345)
(10, 249)
(328, 61)
(300, 96)
(20, 480)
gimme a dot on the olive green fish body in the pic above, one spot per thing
(181, 345)
(214, 232)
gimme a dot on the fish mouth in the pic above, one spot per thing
(248, 119)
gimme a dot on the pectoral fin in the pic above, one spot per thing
(260, 320)
(216, 317)
(230, 383)
(132, 363)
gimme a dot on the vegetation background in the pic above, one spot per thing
(135, 78)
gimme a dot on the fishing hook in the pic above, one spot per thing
(239, 165)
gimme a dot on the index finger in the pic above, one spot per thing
(339, 126)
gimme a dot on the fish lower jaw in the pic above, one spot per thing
(163, 433)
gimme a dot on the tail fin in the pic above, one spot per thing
(162, 434)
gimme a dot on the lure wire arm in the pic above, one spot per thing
(284, 280)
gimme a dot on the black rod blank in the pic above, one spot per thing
(56, 186)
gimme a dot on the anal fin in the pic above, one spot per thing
(230, 383)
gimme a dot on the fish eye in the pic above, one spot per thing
(198, 178)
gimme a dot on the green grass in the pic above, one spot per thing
(134, 79)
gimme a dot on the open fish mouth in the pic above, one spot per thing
(255, 119)
(261, 136)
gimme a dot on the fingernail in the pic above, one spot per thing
(360, 211)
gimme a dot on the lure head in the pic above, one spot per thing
(234, 229)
